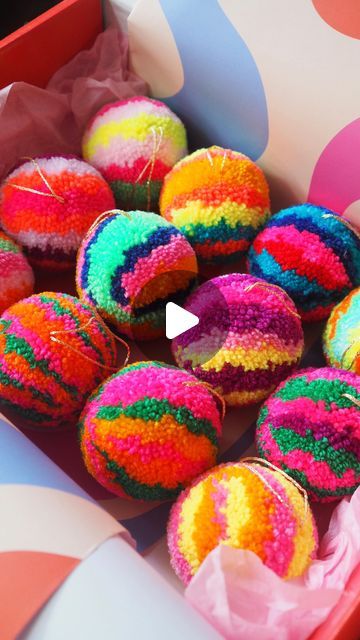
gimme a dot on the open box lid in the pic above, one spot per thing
(35, 51)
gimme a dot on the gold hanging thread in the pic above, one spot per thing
(209, 157)
(352, 399)
(110, 333)
(225, 157)
(356, 341)
(268, 285)
(246, 462)
(52, 193)
(157, 142)
(211, 160)
(55, 333)
(104, 216)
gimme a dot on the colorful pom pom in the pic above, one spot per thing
(48, 204)
(219, 199)
(310, 427)
(134, 143)
(129, 265)
(53, 353)
(246, 506)
(16, 276)
(149, 430)
(342, 334)
(262, 344)
(312, 253)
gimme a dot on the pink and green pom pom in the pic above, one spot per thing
(310, 428)
(53, 353)
(149, 430)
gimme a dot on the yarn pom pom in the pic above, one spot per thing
(219, 199)
(53, 353)
(16, 276)
(245, 506)
(48, 204)
(130, 265)
(149, 430)
(312, 253)
(342, 334)
(310, 427)
(134, 143)
(251, 331)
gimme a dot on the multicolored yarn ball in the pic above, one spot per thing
(48, 204)
(149, 430)
(16, 275)
(219, 199)
(245, 506)
(312, 253)
(310, 427)
(129, 265)
(134, 143)
(342, 334)
(262, 338)
(53, 353)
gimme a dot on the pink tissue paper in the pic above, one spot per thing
(38, 121)
(242, 598)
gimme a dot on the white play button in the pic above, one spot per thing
(178, 320)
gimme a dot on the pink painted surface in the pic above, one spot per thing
(335, 181)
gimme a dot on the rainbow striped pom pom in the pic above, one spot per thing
(312, 253)
(53, 353)
(134, 143)
(310, 427)
(130, 265)
(149, 430)
(48, 204)
(342, 334)
(16, 276)
(245, 506)
(261, 337)
(219, 199)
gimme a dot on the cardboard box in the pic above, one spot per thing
(35, 51)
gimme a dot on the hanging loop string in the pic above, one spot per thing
(357, 353)
(216, 395)
(209, 157)
(54, 338)
(352, 399)
(103, 216)
(211, 160)
(248, 461)
(225, 157)
(51, 193)
(268, 285)
(55, 333)
(156, 145)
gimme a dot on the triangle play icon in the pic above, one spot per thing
(178, 320)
